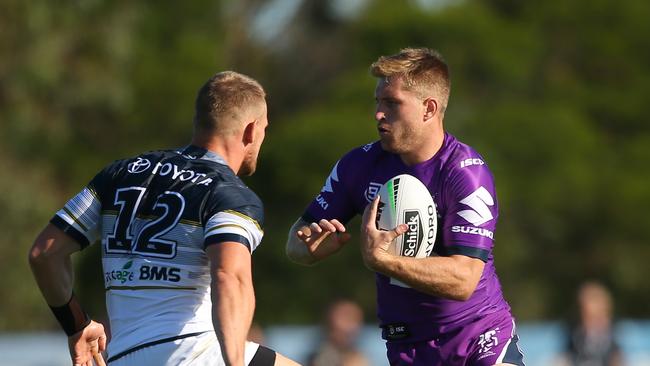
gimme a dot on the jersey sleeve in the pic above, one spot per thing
(333, 201)
(80, 217)
(238, 217)
(471, 216)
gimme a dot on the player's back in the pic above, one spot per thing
(155, 213)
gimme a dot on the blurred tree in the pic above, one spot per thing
(553, 94)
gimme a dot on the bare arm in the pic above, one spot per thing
(454, 277)
(309, 243)
(50, 261)
(233, 298)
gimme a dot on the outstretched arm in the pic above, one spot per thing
(50, 261)
(454, 277)
(309, 243)
(233, 297)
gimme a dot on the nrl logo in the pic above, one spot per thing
(371, 191)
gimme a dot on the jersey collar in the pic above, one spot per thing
(195, 152)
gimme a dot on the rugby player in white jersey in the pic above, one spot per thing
(177, 229)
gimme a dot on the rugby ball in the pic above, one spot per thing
(405, 200)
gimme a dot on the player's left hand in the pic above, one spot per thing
(375, 242)
(87, 345)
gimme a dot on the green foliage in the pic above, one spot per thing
(553, 94)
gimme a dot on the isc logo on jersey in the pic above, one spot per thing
(405, 200)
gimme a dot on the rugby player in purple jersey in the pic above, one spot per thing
(448, 308)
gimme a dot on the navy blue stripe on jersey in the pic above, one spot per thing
(513, 353)
(263, 357)
(70, 231)
(151, 344)
(224, 237)
(479, 253)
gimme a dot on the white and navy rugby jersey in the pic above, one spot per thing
(155, 214)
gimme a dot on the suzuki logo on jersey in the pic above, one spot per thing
(473, 231)
(478, 201)
(471, 161)
(321, 201)
(412, 237)
(138, 166)
(333, 177)
(371, 191)
(181, 174)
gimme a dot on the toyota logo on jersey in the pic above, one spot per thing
(139, 166)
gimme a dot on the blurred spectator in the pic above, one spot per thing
(592, 341)
(343, 322)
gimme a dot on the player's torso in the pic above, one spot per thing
(397, 303)
(152, 224)
(156, 272)
(368, 175)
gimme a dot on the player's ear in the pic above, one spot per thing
(430, 108)
(249, 133)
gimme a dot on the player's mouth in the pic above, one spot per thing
(383, 131)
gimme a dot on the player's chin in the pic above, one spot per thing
(388, 144)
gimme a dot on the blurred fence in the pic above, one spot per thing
(542, 343)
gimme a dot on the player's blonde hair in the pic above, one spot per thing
(423, 71)
(224, 99)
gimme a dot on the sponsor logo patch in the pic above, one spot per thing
(156, 273)
(322, 202)
(121, 275)
(473, 231)
(471, 161)
(478, 201)
(371, 191)
(413, 236)
(172, 170)
(486, 342)
(138, 166)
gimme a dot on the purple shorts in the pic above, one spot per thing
(485, 342)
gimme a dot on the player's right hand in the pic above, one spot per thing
(323, 238)
(87, 344)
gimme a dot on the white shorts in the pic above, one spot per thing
(202, 349)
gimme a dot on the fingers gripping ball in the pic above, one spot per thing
(405, 200)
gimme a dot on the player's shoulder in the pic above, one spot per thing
(462, 158)
(229, 193)
(363, 155)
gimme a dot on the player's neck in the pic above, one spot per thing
(226, 148)
(427, 150)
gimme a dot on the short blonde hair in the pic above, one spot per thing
(423, 71)
(223, 99)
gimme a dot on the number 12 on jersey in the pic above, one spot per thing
(145, 239)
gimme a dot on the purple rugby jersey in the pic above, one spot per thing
(463, 190)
